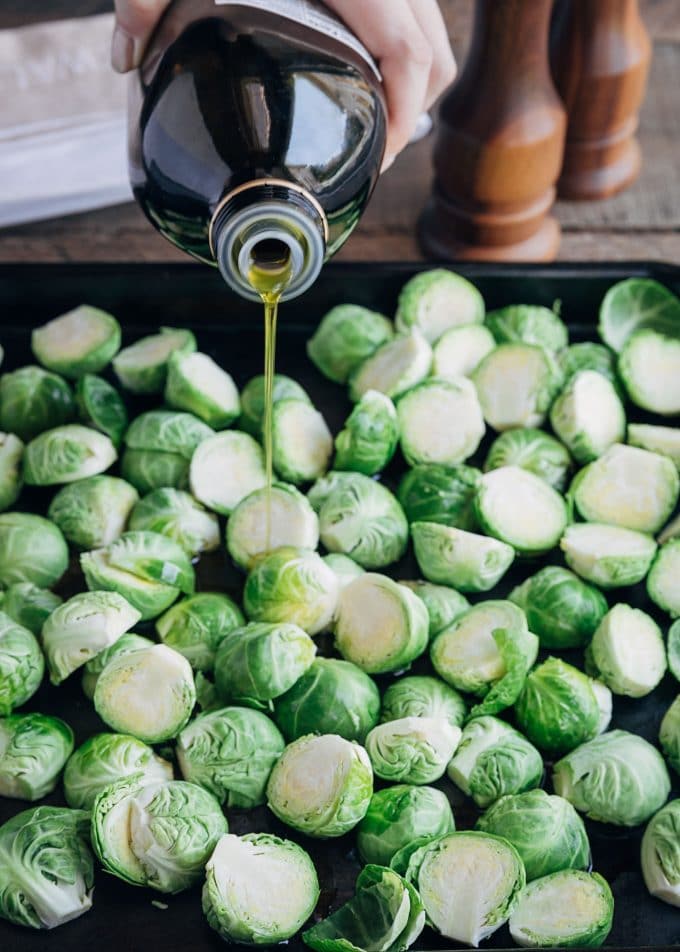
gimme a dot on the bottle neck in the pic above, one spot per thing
(255, 218)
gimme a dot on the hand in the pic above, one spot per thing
(407, 37)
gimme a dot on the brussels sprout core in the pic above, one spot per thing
(569, 908)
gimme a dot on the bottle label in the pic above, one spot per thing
(313, 15)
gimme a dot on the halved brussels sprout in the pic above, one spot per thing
(393, 368)
(196, 626)
(93, 512)
(104, 759)
(158, 834)
(197, 384)
(528, 324)
(302, 442)
(252, 400)
(627, 652)
(267, 520)
(605, 703)
(292, 586)
(167, 431)
(142, 367)
(126, 644)
(533, 450)
(345, 569)
(32, 549)
(609, 556)
(345, 338)
(673, 649)
(516, 384)
(637, 303)
(147, 470)
(588, 416)
(230, 752)
(398, 815)
(67, 453)
(521, 509)
(412, 749)
(659, 854)
(369, 438)
(546, 831)
(443, 604)
(663, 580)
(259, 889)
(431, 492)
(149, 693)
(21, 665)
(460, 350)
(321, 785)
(11, 481)
(423, 696)
(225, 469)
(570, 908)
(82, 341)
(425, 416)
(493, 760)
(436, 300)
(669, 735)
(627, 487)
(664, 440)
(35, 890)
(380, 626)
(33, 400)
(589, 356)
(561, 609)
(33, 751)
(465, 560)
(518, 649)
(82, 627)
(101, 407)
(331, 697)
(616, 778)
(177, 515)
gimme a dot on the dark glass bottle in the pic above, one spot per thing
(246, 125)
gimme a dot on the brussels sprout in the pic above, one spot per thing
(149, 693)
(158, 834)
(33, 750)
(557, 708)
(465, 560)
(671, 531)
(516, 384)
(344, 568)
(589, 356)
(46, 868)
(422, 696)
(385, 913)
(32, 549)
(533, 450)
(82, 627)
(659, 854)
(393, 368)
(292, 586)
(252, 400)
(321, 785)
(126, 644)
(104, 759)
(225, 469)
(93, 512)
(147, 470)
(82, 341)
(101, 407)
(167, 431)
(28, 605)
(412, 749)
(197, 384)
(230, 752)
(567, 909)
(369, 438)
(609, 556)
(627, 487)
(627, 652)
(460, 350)
(521, 509)
(528, 324)
(664, 440)
(588, 416)
(331, 697)
(334, 480)
(493, 760)
(435, 493)
(196, 626)
(616, 778)
(546, 831)
(637, 303)
(267, 520)
(65, 454)
(179, 516)
(302, 442)
(443, 604)
(560, 608)
(518, 649)
(345, 338)
(11, 481)
(259, 889)
(33, 400)
(669, 735)
(605, 703)
(469, 884)
(143, 366)
(380, 626)
(435, 301)
(425, 414)
(673, 649)
(21, 665)
(398, 815)
(662, 581)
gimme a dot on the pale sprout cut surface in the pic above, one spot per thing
(609, 556)
(511, 382)
(571, 907)
(290, 519)
(521, 509)
(440, 422)
(588, 416)
(465, 654)
(650, 368)
(302, 442)
(394, 368)
(658, 439)
(629, 652)
(74, 334)
(225, 469)
(460, 350)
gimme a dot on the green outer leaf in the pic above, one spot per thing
(528, 324)
(21, 664)
(28, 605)
(518, 649)
(398, 815)
(431, 492)
(147, 470)
(347, 336)
(167, 431)
(34, 748)
(634, 304)
(196, 626)
(92, 512)
(155, 558)
(423, 696)
(673, 649)
(32, 549)
(177, 515)
(262, 660)
(369, 438)
(534, 450)
(100, 406)
(669, 735)
(33, 400)
(562, 609)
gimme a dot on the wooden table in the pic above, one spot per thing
(642, 223)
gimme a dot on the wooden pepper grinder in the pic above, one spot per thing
(601, 54)
(498, 150)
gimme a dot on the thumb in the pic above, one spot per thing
(135, 20)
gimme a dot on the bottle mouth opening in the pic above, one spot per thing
(271, 254)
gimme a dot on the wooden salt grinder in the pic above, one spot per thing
(601, 54)
(498, 149)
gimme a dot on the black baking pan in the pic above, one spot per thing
(230, 329)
